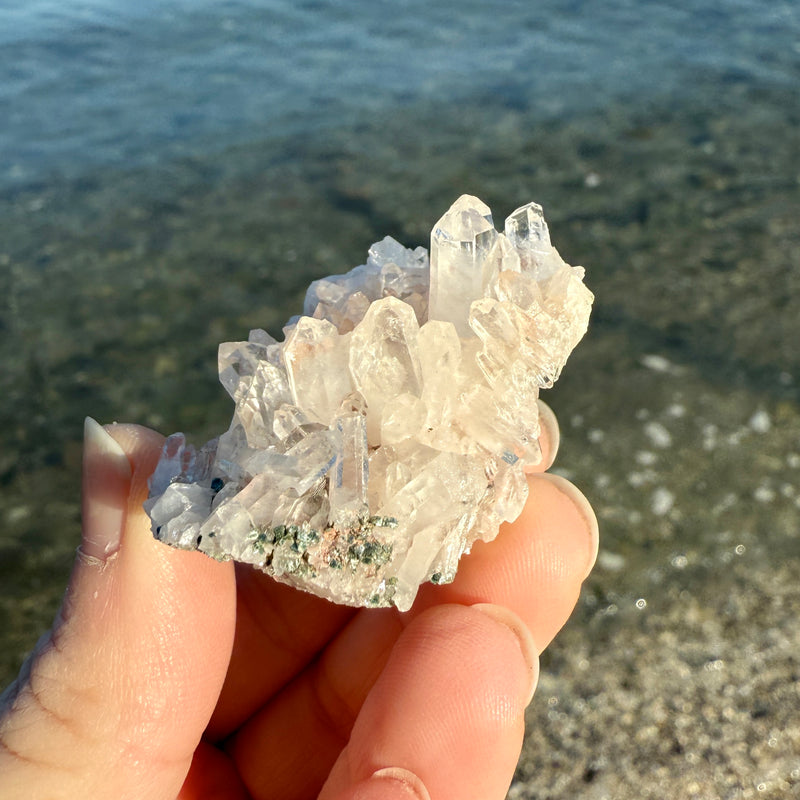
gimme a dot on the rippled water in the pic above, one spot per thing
(86, 83)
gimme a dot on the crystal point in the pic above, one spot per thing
(392, 426)
(460, 243)
(384, 358)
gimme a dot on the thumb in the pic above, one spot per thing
(114, 699)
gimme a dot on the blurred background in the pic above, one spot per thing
(173, 174)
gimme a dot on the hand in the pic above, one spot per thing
(293, 696)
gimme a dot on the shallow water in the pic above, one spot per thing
(97, 82)
(132, 242)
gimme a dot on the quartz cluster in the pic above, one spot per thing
(392, 426)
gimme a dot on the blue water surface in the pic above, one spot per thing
(96, 82)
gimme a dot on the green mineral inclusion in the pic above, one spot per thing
(353, 547)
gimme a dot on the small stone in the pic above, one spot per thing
(662, 501)
(760, 422)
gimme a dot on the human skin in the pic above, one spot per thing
(167, 674)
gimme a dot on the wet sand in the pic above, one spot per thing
(679, 673)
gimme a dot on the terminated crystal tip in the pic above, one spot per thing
(392, 426)
(460, 243)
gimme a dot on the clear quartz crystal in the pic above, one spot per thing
(316, 359)
(460, 244)
(392, 426)
(347, 482)
(384, 358)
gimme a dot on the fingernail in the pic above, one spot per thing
(391, 783)
(549, 426)
(528, 647)
(586, 511)
(106, 475)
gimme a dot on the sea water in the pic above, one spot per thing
(90, 82)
